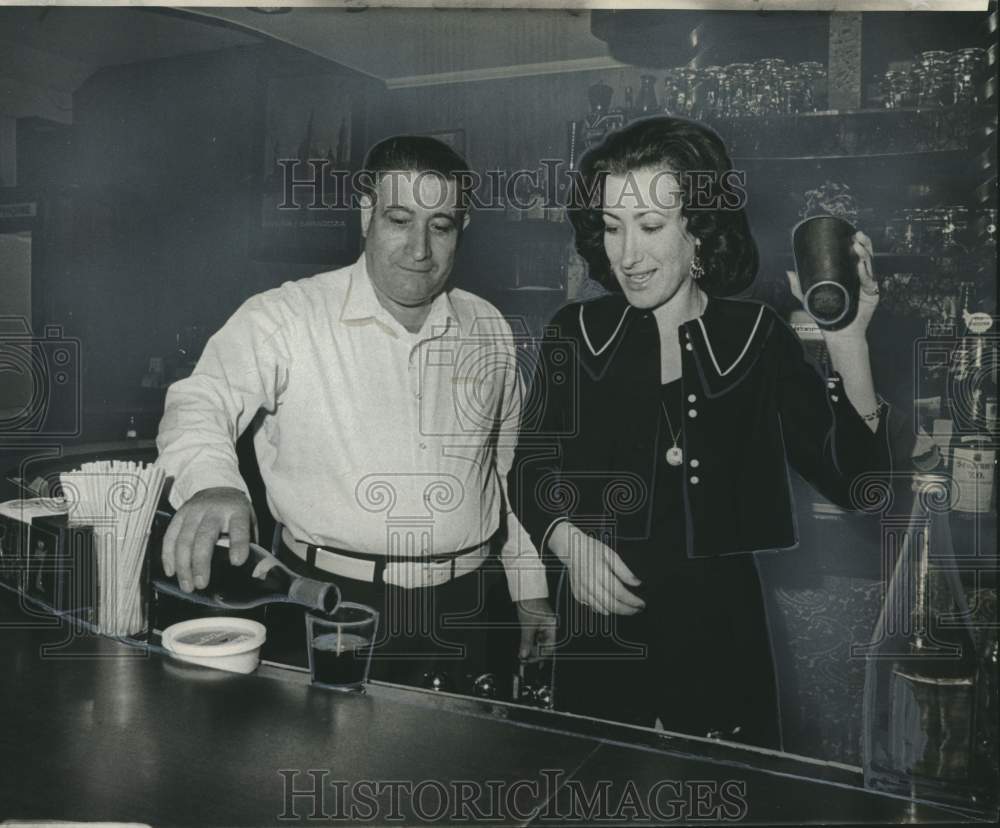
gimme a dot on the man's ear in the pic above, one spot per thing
(367, 211)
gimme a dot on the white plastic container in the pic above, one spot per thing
(224, 643)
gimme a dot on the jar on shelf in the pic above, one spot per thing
(935, 86)
(906, 231)
(709, 89)
(968, 67)
(692, 80)
(673, 91)
(814, 73)
(742, 90)
(953, 231)
(897, 89)
(727, 86)
(791, 96)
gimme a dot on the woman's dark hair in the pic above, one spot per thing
(712, 198)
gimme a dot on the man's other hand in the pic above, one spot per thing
(538, 629)
(192, 534)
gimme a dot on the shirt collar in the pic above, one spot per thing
(362, 303)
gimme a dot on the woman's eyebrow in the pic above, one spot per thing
(653, 212)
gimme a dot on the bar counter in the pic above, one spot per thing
(98, 729)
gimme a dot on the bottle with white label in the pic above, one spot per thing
(973, 464)
(973, 396)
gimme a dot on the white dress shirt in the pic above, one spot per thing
(369, 437)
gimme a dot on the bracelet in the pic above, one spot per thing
(879, 409)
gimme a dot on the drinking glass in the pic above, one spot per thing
(340, 646)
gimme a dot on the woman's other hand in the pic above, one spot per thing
(598, 577)
(861, 245)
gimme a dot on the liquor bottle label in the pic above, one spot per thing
(978, 323)
(973, 478)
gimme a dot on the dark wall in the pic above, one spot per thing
(160, 211)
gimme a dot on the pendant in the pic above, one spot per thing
(675, 456)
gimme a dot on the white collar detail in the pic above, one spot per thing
(746, 346)
(604, 347)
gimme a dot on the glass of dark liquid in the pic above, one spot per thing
(340, 646)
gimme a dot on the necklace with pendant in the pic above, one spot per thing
(674, 455)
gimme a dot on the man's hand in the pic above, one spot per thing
(598, 577)
(538, 629)
(192, 534)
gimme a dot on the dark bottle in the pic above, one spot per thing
(629, 104)
(261, 579)
(647, 103)
(922, 698)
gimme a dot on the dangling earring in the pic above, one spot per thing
(697, 270)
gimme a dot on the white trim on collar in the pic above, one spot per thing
(604, 347)
(746, 346)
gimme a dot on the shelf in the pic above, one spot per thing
(863, 134)
(904, 262)
(929, 155)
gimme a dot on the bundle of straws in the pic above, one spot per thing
(118, 499)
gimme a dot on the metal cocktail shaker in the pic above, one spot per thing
(827, 268)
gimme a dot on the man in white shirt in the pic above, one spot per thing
(389, 406)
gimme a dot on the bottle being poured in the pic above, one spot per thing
(261, 579)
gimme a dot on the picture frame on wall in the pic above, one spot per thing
(311, 125)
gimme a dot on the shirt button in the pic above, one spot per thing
(831, 384)
(834, 397)
(693, 413)
(691, 398)
(689, 347)
(694, 463)
(695, 480)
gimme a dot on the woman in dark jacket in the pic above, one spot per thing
(652, 460)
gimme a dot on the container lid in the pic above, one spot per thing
(214, 637)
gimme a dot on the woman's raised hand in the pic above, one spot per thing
(598, 577)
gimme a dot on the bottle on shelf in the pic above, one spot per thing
(261, 579)
(629, 104)
(131, 432)
(923, 704)
(972, 404)
(647, 103)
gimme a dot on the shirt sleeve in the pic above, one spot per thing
(521, 562)
(243, 369)
(827, 441)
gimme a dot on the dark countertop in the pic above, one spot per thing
(96, 729)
